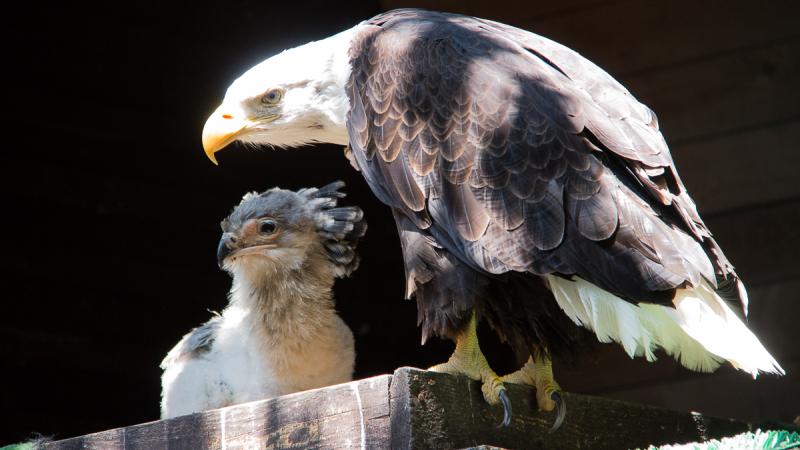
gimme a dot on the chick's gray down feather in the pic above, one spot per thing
(279, 333)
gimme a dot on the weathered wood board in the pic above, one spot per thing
(411, 409)
(351, 415)
(432, 410)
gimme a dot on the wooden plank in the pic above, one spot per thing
(455, 6)
(773, 317)
(410, 409)
(515, 12)
(350, 415)
(725, 394)
(741, 169)
(443, 411)
(629, 36)
(724, 93)
(508, 11)
(761, 242)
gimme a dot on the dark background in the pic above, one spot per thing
(111, 209)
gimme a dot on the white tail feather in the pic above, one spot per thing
(700, 332)
(704, 316)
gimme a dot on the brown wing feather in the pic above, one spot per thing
(517, 154)
(627, 128)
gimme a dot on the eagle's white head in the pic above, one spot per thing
(293, 98)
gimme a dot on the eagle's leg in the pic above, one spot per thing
(539, 374)
(467, 359)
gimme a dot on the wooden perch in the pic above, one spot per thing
(416, 409)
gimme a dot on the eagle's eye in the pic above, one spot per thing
(267, 227)
(272, 97)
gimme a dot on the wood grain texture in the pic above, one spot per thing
(411, 409)
(508, 11)
(741, 169)
(725, 393)
(449, 412)
(724, 93)
(351, 415)
(762, 240)
(628, 36)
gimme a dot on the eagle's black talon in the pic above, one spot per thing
(561, 410)
(506, 409)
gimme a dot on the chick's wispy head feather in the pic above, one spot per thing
(280, 332)
(280, 229)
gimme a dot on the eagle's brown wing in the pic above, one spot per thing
(517, 154)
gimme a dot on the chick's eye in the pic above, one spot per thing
(267, 227)
(271, 97)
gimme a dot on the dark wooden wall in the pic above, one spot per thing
(111, 209)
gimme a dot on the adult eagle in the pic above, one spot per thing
(521, 177)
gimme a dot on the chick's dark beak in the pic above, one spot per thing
(227, 244)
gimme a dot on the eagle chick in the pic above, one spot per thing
(280, 332)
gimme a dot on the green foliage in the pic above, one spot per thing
(20, 446)
(760, 440)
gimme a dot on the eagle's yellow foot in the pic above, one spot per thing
(468, 360)
(539, 374)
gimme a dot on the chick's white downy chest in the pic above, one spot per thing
(256, 365)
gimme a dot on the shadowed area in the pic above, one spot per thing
(112, 211)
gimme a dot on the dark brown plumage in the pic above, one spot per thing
(525, 182)
(501, 153)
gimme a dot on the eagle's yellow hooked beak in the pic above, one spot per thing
(221, 128)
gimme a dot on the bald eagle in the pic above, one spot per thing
(528, 186)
